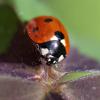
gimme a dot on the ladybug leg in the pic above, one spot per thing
(41, 74)
(35, 77)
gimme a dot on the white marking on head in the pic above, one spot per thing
(61, 58)
(54, 38)
(49, 59)
(63, 42)
(44, 51)
(54, 62)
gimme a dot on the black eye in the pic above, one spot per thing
(48, 20)
(59, 35)
(35, 29)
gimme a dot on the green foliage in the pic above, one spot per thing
(72, 76)
(27, 9)
(8, 26)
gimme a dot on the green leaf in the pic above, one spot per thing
(8, 26)
(27, 9)
(72, 76)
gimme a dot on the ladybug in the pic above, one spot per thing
(51, 38)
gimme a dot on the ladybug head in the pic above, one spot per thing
(53, 51)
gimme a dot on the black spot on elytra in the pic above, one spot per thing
(48, 20)
(59, 35)
(35, 29)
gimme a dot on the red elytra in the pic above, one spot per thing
(42, 28)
